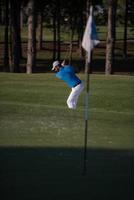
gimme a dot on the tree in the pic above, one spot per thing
(125, 29)
(40, 29)
(31, 51)
(110, 37)
(54, 34)
(58, 28)
(6, 49)
(80, 28)
(72, 27)
(15, 34)
(55, 10)
(2, 13)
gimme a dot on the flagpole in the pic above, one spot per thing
(87, 77)
(87, 73)
(90, 40)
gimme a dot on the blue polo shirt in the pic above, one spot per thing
(67, 74)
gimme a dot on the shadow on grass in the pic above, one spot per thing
(56, 173)
(98, 66)
(120, 66)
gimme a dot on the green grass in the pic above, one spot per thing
(41, 140)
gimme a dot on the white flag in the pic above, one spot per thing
(90, 38)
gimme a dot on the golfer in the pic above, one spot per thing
(67, 74)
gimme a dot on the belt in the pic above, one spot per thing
(77, 84)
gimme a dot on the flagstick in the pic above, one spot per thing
(88, 43)
(87, 72)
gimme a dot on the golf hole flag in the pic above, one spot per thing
(90, 38)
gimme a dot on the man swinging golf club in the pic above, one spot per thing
(67, 74)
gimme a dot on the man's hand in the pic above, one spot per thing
(63, 63)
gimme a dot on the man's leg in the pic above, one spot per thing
(73, 97)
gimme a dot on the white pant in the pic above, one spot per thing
(73, 97)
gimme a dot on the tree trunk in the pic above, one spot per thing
(6, 51)
(71, 48)
(21, 17)
(125, 30)
(114, 32)
(58, 29)
(80, 33)
(54, 35)
(2, 14)
(31, 52)
(71, 38)
(40, 29)
(11, 68)
(110, 39)
(19, 29)
(15, 22)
